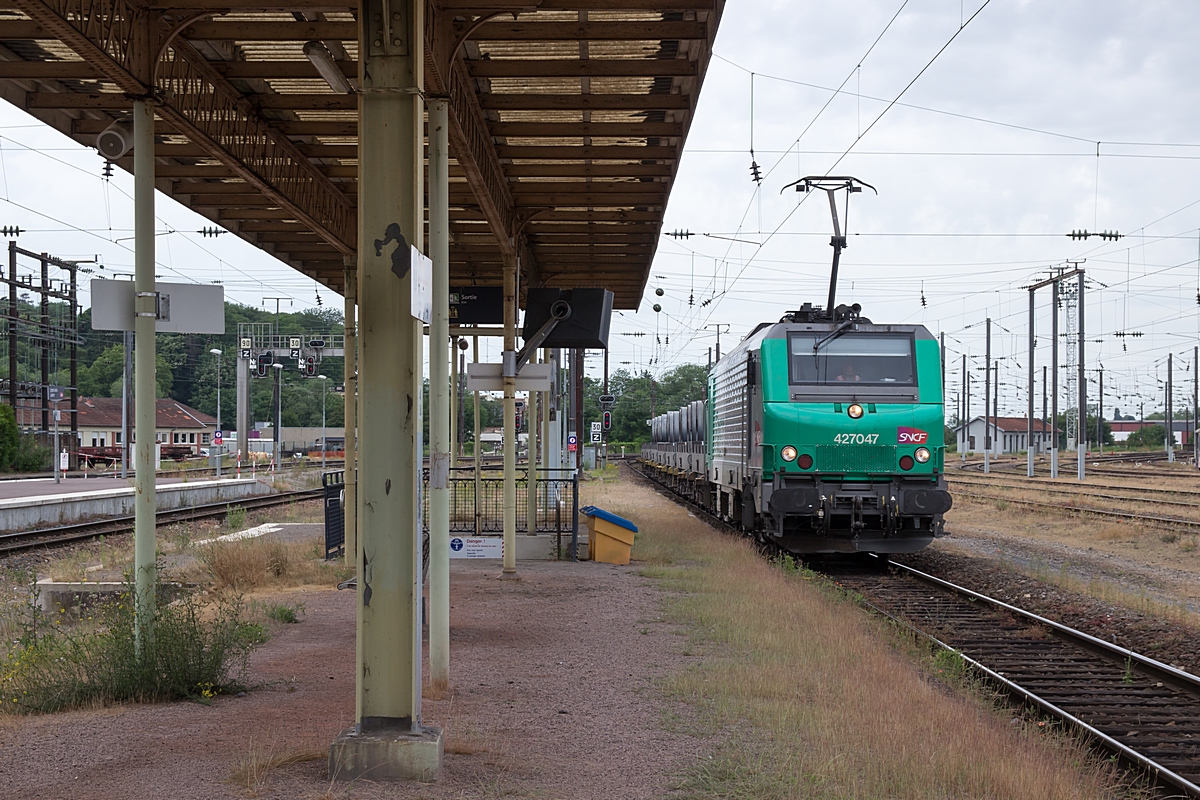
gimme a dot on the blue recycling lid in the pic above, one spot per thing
(608, 516)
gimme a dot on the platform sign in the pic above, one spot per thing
(476, 547)
(55, 394)
(488, 378)
(476, 305)
(572, 443)
(64, 461)
(182, 307)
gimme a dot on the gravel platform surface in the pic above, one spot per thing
(554, 696)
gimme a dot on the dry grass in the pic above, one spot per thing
(262, 563)
(254, 767)
(810, 699)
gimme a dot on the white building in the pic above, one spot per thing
(1009, 435)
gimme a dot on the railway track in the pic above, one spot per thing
(20, 541)
(1041, 483)
(1129, 516)
(1079, 492)
(1145, 712)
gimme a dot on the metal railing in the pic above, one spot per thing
(478, 512)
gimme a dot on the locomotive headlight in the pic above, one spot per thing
(788, 453)
(855, 411)
(922, 454)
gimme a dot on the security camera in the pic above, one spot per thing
(115, 140)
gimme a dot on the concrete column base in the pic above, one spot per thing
(386, 755)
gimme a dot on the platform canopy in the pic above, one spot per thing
(567, 119)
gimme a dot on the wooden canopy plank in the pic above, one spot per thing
(584, 102)
(576, 68)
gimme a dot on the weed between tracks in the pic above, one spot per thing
(807, 697)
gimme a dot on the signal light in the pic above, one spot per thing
(310, 366)
(606, 420)
(263, 365)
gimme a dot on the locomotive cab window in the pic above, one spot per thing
(873, 359)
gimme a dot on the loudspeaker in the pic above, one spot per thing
(587, 328)
(115, 140)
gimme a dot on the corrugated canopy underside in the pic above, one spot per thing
(580, 111)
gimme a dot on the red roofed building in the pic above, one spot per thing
(177, 424)
(1008, 435)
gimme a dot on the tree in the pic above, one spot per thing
(10, 438)
(1149, 436)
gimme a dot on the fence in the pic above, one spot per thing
(477, 513)
(334, 484)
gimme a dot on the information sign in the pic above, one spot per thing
(476, 547)
(596, 437)
(217, 437)
(572, 443)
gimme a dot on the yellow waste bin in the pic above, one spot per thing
(610, 538)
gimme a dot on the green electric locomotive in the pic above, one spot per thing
(823, 433)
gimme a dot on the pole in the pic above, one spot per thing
(964, 417)
(531, 417)
(1082, 426)
(350, 405)
(57, 456)
(44, 346)
(1029, 434)
(454, 408)
(987, 396)
(439, 398)
(14, 312)
(390, 219)
(277, 421)
(579, 423)
(1054, 378)
(144, 384)
(1195, 406)
(1169, 437)
(604, 433)
(324, 446)
(127, 406)
(1044, 422)
(75, 439)
(475, 450)
(510, 420)
(1100, 415)
(219, 447)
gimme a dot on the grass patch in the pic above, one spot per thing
(55, 664)
(255, 766)
(285, 613)
(235, 518)
(263, 562)
(810, 697)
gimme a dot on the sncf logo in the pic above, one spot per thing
(913, 436)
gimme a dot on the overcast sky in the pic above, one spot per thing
(984, 165)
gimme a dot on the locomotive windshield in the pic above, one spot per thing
(857, 357)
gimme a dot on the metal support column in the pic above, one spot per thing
(1054, 379)
(13, 316)
(475, 447)
(145, 405)
(1082, 426)
(1029, 433)
(350, 405)
(531, 417)
(388, 741)
(510, 419)
(1168, 415)
(243, 407)
(439, 398)
(454, 415)
(987, 395)
(1195, 406)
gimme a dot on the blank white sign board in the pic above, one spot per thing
(194, 308)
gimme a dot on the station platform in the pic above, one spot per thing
(41, 503)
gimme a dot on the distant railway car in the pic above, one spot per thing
(822, 433)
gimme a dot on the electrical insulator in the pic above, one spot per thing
(10, 230)
(755, 175)
(207, 232)
(107, 171)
